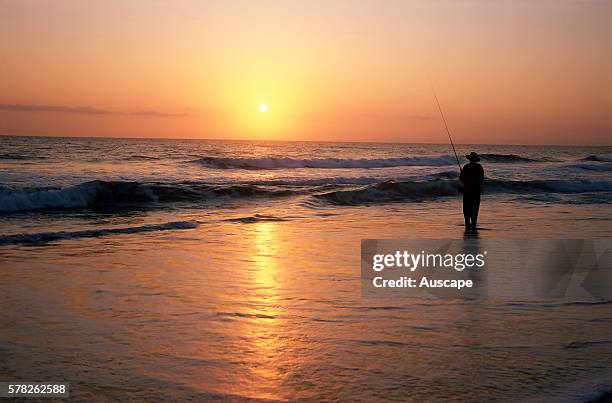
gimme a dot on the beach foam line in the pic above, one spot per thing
(44, 237)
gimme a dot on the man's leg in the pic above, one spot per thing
(475, 208)
(466, 209)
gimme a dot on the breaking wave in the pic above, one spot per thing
(44, 237)
(101, 194)
(391, 191)
(112, 196)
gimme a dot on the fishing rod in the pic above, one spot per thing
(446, 126)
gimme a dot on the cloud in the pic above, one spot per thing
(157, 114)
(84, 110)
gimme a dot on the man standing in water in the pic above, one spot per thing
(472, 176)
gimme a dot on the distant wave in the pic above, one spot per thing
(508, 158)
(324, 163)
(257, 218)
(44, 237)
(26, 157)
(331, 163)
(140, 157)
(588, 343)
(597, 158)
(390, 191)
(104, 195)
(559, 303)
(335, 181)
(20, 157)
(592, 167)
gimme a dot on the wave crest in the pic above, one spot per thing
(322, 163)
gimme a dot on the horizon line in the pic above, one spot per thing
(298, 141)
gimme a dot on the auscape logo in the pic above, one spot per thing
(424, 282)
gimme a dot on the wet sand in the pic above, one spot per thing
(267, 309)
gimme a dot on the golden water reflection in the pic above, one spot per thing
(265, 330)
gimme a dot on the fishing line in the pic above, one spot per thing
(445, 125)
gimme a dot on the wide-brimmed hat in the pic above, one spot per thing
(473, 157)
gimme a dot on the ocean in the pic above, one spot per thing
(230, 270)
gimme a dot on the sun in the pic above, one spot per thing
(263, 108)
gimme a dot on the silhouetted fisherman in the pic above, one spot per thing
(472, 176)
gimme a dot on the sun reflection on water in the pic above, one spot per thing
(265, 249)
(265, 329)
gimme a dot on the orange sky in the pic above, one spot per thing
(505, 72)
